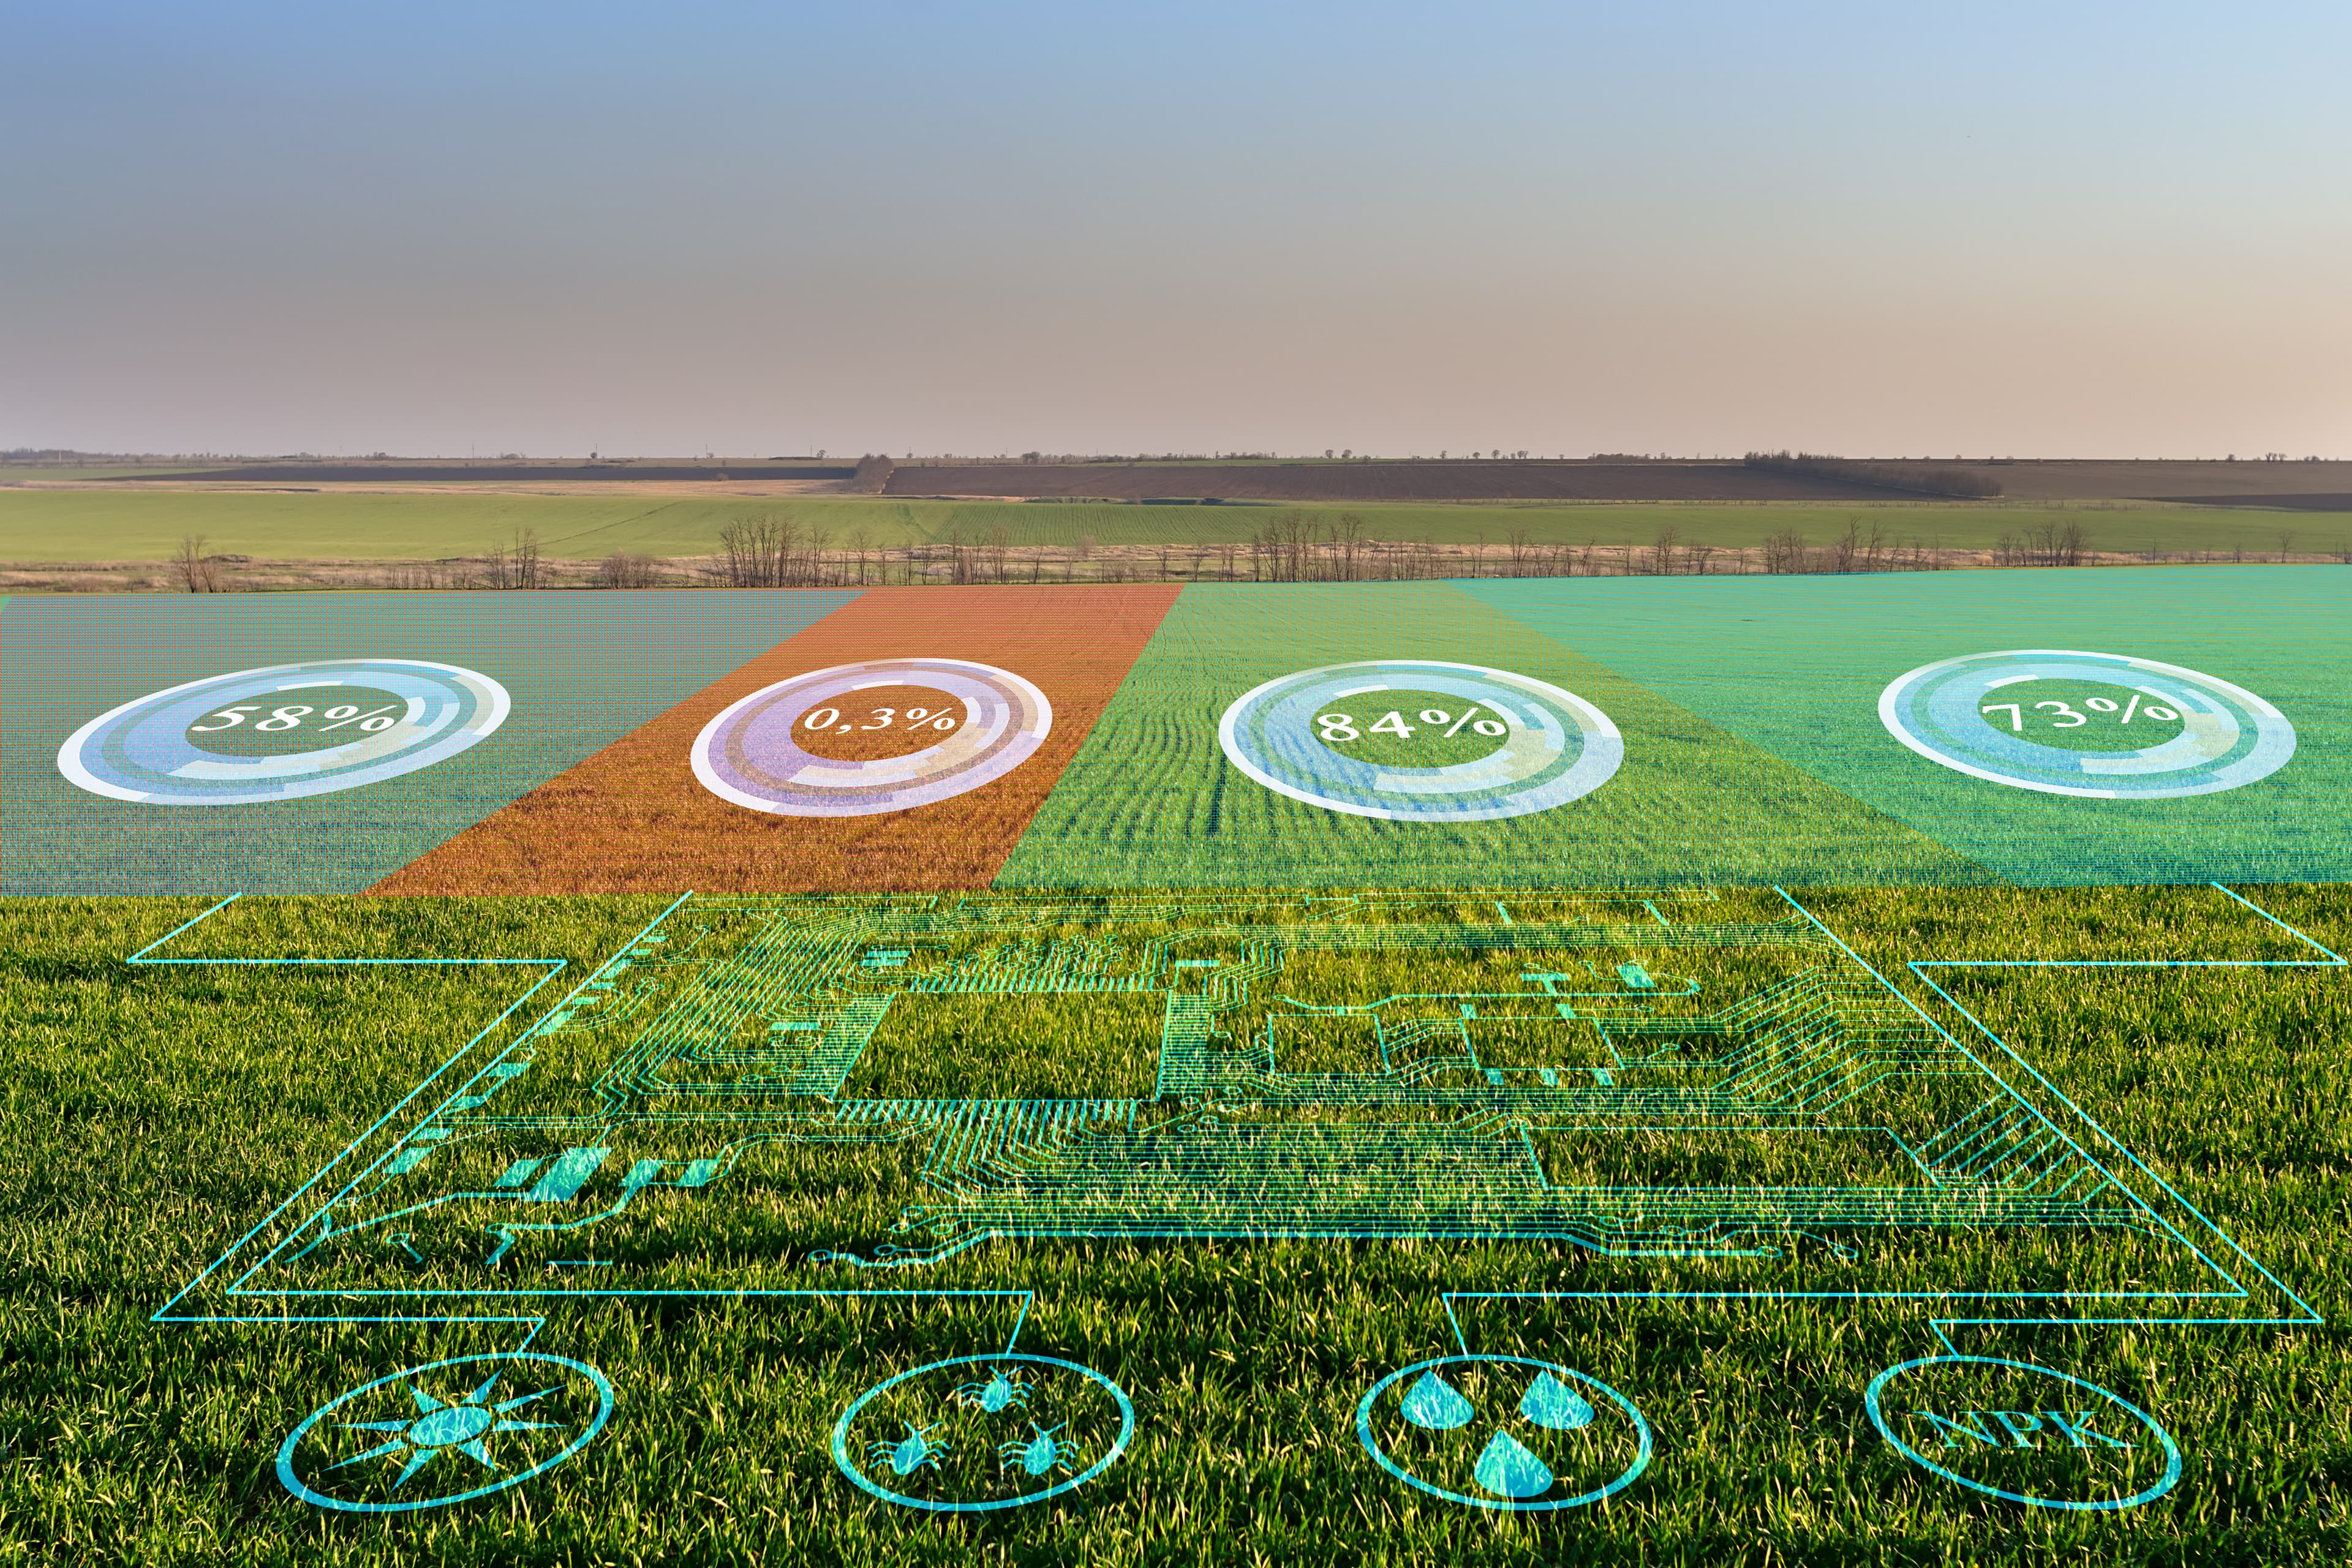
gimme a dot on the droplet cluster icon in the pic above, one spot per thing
(1504, 1432)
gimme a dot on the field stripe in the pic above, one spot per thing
(1152, 800)
(633, 818)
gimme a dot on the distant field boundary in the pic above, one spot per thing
(964, 565)
(1499, 478)
(428, 473)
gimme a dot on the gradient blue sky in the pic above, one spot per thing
(2040, 229)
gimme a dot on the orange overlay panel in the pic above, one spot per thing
(831, 783)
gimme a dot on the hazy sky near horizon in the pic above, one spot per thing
(2039, 229)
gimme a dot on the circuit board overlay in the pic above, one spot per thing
(922, 1102)
(1700, 1091)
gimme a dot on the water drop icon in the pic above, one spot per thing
(1508, 1468)
(1551, 1404)
(1433, 1403)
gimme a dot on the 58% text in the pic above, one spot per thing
(294, 715)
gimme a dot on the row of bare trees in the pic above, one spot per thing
(2044, 544)
(773, 550)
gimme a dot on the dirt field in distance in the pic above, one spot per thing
(2209, 484)
(1507, 480)
(395, 472)
(2316, 485)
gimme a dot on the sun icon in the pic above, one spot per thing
(440, 1428)
(527, 1413)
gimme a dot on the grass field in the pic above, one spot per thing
(152, 1115)
(71, 525)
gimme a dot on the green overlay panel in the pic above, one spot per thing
(1151, 798)
(582, 670)
(1795, 666)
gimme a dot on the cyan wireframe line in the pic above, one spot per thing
(2305, 1317)
(556, 967)
(2330, 961)
(2029, 1106)
(1042, 1168)
(167, 1315)
(2291, 930)
(140, 956)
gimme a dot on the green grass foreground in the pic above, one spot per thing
(67, 525)
(151, 1115)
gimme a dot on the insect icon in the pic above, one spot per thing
(910, 1453)
(1002, 1392)
(1040, 1454)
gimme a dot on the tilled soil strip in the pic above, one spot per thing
(633, 818)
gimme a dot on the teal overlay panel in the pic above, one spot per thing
(1796, 666)
(582, 669)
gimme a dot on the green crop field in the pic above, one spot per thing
(153, 1115)
(1648, 1069)
(423, 522)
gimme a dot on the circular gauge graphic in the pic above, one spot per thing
(284, 731)
(887, 734)
(2103, 725)
(445, 1433)
(1413, 740)
(1504, 1432)
(2023, 1433)
(983, 1432)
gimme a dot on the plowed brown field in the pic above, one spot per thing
(633, 818)
(1389, 481)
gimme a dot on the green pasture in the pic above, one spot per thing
(76, 525)
(151, 1115)
(27, 473)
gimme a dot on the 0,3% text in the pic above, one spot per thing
(834, 720)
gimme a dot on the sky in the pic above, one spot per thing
(914, 225)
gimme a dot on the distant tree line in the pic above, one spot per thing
(776, 550)
(1933, 481)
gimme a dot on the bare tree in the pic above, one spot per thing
(1516, 542)
(622, 570)
(1785, 551)
(197, 573)
(1662, 551)
(760, 550)
(1847, 545)
(1348, 534)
